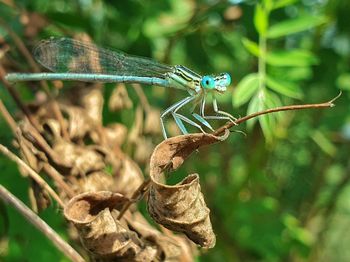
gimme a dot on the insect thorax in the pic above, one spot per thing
(186, 79)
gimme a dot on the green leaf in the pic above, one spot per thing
(254, 106)
(260, 19)
(343, 81)
(324, 143)
(272, 100)
(295, 25)
(296, 57)
(291, 74)
(251, 46)
(283, 3)
(245, 89)
(267, 127)
(283, 87)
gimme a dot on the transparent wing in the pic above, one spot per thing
(66, 55)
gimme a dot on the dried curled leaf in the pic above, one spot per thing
(129, 177)
(94, 182)
(180, 207)
(152, 122)
(80, 159)
(91, 99)
(170, 247)
(119, 99)
(79, 122)
(114, 135)
(95, 217)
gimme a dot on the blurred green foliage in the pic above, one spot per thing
(279, 194)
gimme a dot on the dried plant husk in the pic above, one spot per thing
(119, 99)
(143, 150)
(91, 99)
(80, 159)
(94, 214)
(94, 182)
(180, 207)
(113, 136)
(80, 122)
(129, 177)
(152, 122)
(170, 247)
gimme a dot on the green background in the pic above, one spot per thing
(279, 193)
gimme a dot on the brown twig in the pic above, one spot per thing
(41, 225)
(228, 125)
(57, 177)
(25, 52)
(136, 196)
(8, 118)
(18, 101)
(143, 99)
(41, 182)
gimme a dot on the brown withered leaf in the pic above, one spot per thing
(129, 177)
(180, 207)
(94, 182)
(114, 135)
(143, 150)
(79, 123)
(53, 128)
(80, 159)
(33, 22)
(152, 122)
(119, 99)
(91, 99)
(107, 238)
(170, 247)
(136, 130)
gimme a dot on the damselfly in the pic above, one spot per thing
(70, 59)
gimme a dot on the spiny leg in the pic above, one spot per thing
(170, 109)
(224, 115)
(199, 117)
(178, 116)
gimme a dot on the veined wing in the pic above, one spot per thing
(66, 55)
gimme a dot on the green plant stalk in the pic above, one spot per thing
(262, 57)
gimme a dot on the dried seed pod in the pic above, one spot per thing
(180, 207)
(95, 217)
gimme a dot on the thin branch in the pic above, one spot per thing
(143, 99)
(41, 182)
(18, 100)
(228, 125)
(8, 118)
(25, 52)
(136, 196)
(57, 177)
(41, 225)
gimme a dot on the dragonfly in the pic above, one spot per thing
(70, 59)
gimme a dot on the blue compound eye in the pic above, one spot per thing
(227, 79)
(208, 82)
